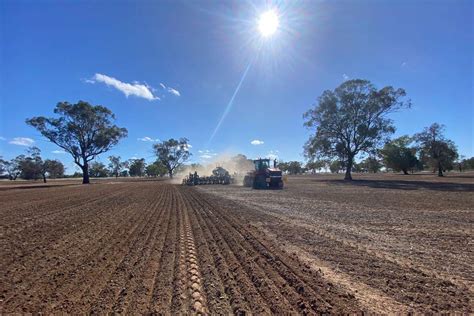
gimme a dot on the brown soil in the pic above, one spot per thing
(151, 247)
(396, 243)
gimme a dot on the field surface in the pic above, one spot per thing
(381, 244)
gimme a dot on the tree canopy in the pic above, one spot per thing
(137, 167)
(352, 119)
(83, 130)
(397, 155)
(116, 165)
(98, 170)
(435, 150)
(156, 169)
(314, 165)
(172, 153)
(33, 167)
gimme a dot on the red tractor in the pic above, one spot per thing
(264, 176)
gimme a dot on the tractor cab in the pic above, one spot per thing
(261, 164)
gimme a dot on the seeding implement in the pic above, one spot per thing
(219, 176)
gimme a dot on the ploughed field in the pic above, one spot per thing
(380, 244)
(147, 247)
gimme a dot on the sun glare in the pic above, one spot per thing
(268, 23)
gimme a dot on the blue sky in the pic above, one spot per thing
(169, 68)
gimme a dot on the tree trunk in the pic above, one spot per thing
(44, 178)
(171, 174)
(85, 173)
(350, 162)
(440, 170)
(405, 171)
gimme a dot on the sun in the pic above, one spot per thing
(268, 23)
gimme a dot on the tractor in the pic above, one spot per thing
(264, 176)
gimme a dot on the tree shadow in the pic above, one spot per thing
(405, 185)
(35, 186)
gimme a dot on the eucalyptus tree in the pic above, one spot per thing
(83, 130)
(351, 119)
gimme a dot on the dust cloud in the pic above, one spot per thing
(236, 165)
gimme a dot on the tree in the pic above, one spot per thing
(172, 153)
(83, 130)
(437, 151)
(314, 165)
(350, 120)
(54, 168)
(335, 166)
(98, 170)
(283, 166)
(31, 166)
(370, 164)
(137, 167)
(2, 165)
(124, 173)
(116, 166)
(294, 167)
(12, 167)
(468, 163)
(156, 169)
(398, 156)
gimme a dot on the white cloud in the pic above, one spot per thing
(22, 141)
(148, 139)
(207, 154)
(60, 152)
(345, 77)
(404, 64)
(170, 90)
(174, 91)
(137, 89)
(2, 138)
(88, 80)
(257, 142)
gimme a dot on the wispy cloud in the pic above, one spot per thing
(136, 89)
(345, 77)
(403, 64)
(207, 154)
(148, 139)
(59, 152)
(174, 91)
(2, 138)
(257, 142)
(22, 141)
(170, 90)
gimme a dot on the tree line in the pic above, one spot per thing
(352, 120)
(31, 167)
